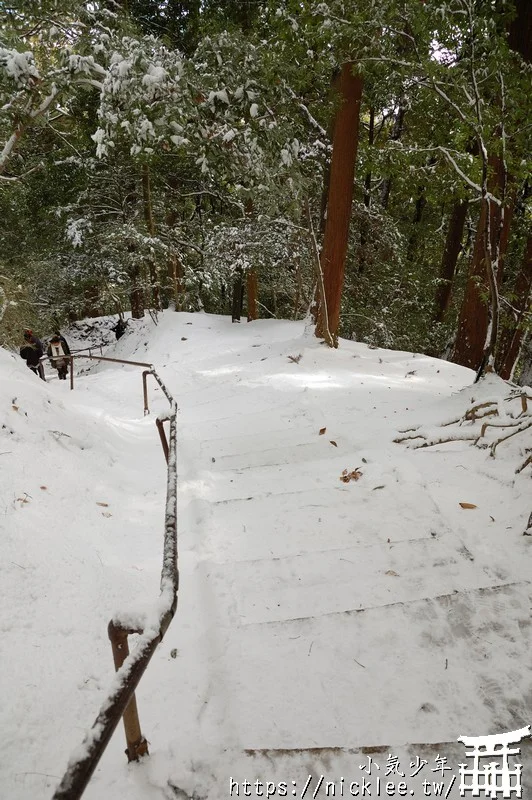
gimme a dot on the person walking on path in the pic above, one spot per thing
(32, 351)
(58, 350)
(120, 328)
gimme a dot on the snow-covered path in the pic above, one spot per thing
(313, 614)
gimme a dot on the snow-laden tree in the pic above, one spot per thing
(47, 53)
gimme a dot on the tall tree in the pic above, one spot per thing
(343, 160)
(479, 324)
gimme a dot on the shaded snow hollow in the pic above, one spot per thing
(316, 618)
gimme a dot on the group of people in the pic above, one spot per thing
(58, 351)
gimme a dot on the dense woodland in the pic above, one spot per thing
(367, 160)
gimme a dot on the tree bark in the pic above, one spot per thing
(238, 296)
(136, 293)
(520, 31)
(176, 274)
(252, 285)
(345, 145)
(511, 338)
(453, 246)
(136, 297)
(470, 345)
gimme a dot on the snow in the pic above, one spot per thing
(18, 66)
(316, 618)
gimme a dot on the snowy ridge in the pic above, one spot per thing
(318, 621)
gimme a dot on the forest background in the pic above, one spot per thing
(366, 160)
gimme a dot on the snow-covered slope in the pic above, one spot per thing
(316, 618)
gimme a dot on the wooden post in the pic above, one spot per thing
(137, 745)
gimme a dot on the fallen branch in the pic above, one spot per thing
(520, 429)
(525, 463)
(513, 422)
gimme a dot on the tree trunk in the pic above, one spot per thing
(511, 339)
(520, 31)
(176, 274)
(252, 285)
(453, 246)
(136, 297)
(345, 145)
(473, 324)
(421, 202)
(150, 225)
(136, 293)
(238, 296)
(477, 320)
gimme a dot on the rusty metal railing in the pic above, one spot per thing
(149, 371)
(121, 701)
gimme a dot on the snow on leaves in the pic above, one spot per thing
(19, 67)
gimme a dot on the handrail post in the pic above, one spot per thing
(71, 373)
(145, 390)
(136, 743)
(162, 435)
(121, 701)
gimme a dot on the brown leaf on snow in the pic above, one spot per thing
(322, 431)
(105, 505)
(347, 476)
(106, 514)
(14, 407)
(334, 443)
(467, 505)
(43, 487)
(392, 572)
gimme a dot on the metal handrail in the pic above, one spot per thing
(120, 702)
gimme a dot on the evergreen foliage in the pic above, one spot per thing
(152, 154)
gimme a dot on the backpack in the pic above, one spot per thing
(57, 353)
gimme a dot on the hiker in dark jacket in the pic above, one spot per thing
(64, 342)
(119, 328)
(32, 352)
(58, 350)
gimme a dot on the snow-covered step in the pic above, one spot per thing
(212, 425)
(417, 769)
(236, 444)
(243, 402)
(276, 456)
(349, 679)
(275, 589)
(318, 474)
(309, 520)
